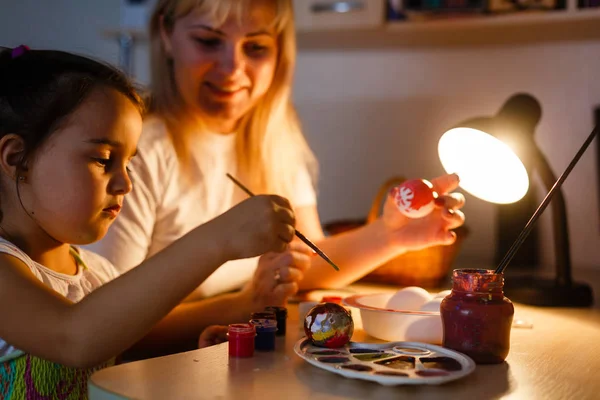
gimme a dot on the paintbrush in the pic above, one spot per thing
(527, 229)
(298, 234)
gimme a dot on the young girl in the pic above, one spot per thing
(69, 127)
(222, 74)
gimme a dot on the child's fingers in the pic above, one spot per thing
(212, 335)
(286, 233)
(301, 247)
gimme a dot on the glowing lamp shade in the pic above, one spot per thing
(488, 168)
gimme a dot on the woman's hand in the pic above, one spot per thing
(433, 229)
(277, 275)
(212, 335)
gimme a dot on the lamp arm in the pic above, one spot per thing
(562, 252)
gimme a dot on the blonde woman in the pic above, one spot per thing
(221, 102)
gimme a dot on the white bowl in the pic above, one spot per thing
(396, 325)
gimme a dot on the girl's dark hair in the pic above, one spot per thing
(40, 89)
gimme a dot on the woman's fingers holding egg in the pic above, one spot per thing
(452, 201)
(453, 218)
(445, 183)
(446, 238)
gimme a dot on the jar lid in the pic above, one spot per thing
(241, 329)
(263, 315)
(264, 324)
(279, 311)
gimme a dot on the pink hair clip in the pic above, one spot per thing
(19, 51)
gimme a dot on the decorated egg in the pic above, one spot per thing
(328, 325)
(414, 198)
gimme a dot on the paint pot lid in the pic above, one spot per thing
(264, 325)
(263, 315)
(279, 311)
(241, 329)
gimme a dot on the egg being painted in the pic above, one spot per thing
(414, 198)
(328, 325)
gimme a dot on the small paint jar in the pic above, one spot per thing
(476, 317)
(265, 334)
(241, 340)
(281, 317)
(263, 315)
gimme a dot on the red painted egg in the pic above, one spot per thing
(414, 198)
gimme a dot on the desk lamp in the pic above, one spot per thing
(492, 155)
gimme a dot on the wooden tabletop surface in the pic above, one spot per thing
(559, 358)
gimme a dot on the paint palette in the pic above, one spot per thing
(392, 363)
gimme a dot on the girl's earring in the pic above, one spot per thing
(22, 178)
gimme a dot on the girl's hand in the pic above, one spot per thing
(433, 229)
(277, 275)
(212, 335)
(258, 225)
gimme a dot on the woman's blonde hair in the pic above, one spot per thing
(270, 148)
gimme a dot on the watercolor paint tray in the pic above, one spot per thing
(392, 363)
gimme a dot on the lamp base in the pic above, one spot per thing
(547, 293)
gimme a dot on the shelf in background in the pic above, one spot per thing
(507, 29)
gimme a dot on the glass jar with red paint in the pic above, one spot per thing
(241, 340)
(477, 317)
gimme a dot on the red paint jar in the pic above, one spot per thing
(476, 317)
(241, 340)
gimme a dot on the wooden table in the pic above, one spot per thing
(559, 358)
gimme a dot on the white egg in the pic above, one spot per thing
(432, 305)
(426, 330)
(410, 299)
(442, 294)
